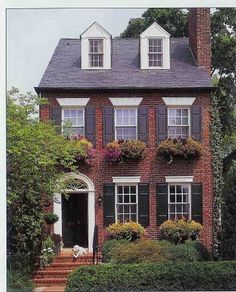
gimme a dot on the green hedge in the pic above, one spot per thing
(154, 277)
(152, 251)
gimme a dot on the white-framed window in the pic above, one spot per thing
(96, 53)
(73, 121)
(155, 52)
(179, 201)
(178, 122)
(126, 202)
(126, 124)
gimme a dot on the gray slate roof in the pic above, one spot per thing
(64, 70)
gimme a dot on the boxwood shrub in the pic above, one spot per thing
(154, 277)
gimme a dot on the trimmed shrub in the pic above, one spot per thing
(142, 251)
(130, 231)
(108, 247)
(50, 218)
(154, 277)
(190, 251)
(117, 151)
(179, 148)
(153, 251)
(178, 231)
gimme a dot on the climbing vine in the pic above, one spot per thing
(217, 165)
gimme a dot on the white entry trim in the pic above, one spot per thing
(81, 102)
(179, 179)
(57, 206)
(178, 101)
(126, 101)
(126, 179)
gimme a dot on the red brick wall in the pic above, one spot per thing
(200, 36)
(150, 169)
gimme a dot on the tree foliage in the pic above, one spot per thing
(37, 158)
(172, 20)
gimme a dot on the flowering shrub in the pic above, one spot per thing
(47, 252)
(130, 231)
(179, 148)
(178, 231)
(118, 151)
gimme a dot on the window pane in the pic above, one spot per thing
(172, 198)
(120, 208)
(126, 189)
(126, 133)
(172, 189)
(133, 199)
(178, 189)
(133, 208)
(184, 113)
(133, 189)
(133, 217)
(126, 208)
(172, 208)
(179, 198)
(120, 199)
(120, 218)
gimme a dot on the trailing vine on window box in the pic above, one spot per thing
(179, 148)
(119, 151)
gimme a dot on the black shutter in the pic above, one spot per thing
(196, 122)
(162, 203)
(90, 124)
(143, 204)
(108, 124)
(161, 120)
(143, 124)
(55, 115)
(109, 204)
(196, 202)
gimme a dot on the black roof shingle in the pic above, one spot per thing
(64, 69)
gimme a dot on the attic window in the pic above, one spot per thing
(96, 53)
(155, 52)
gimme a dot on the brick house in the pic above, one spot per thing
(149, 89)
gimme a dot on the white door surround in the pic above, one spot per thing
(90, 192)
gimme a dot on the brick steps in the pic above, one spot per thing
(57, 272)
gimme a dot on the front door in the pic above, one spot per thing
(75, 220)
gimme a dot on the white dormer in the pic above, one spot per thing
(95, 48)
(155, 48)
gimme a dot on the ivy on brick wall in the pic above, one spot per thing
(217, 165)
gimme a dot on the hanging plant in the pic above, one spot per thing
(118, 151)
(179, 148)
(50, 218)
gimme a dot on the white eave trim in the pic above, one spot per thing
(179, 179)
(178, 101)
(126, 101)
(126, 179)
(81, 102)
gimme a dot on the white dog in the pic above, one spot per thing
(78, 251)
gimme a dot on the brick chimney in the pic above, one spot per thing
(200, 36)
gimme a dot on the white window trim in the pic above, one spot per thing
(189, 119)
(136, 109)
(72, 107)
(190, 197)
(178, 101)
(116, 195)
(126, 179)
(179, 179)
(126, 101)
(156, 38)
(73, 102)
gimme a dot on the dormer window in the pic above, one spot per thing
(96, 53)
(155, 48)
(95, 48)
(155, 54)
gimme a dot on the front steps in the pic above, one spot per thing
(57, 272)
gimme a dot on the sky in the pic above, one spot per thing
(32, 36)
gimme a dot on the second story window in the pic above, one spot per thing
(178, 123)
(126, 124)
(96, 53)
(73, 122)
(155, 53)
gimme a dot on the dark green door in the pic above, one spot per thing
(75, 220)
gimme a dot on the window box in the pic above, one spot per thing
(118, 151)
(179, 148)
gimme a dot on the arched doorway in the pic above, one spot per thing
(77, 214)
